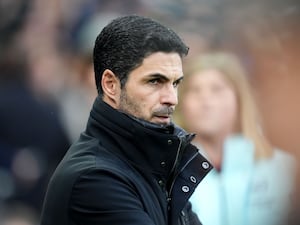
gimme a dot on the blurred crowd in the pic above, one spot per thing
(47, 82)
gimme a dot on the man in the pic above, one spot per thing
(131, 165)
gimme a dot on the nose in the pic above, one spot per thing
(206, 95)
(169, 95)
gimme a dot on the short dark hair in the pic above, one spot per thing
(124, 43)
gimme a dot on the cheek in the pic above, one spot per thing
(229, 112)
(188, 107)
(190, 113)
(148, 104)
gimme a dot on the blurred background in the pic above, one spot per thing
(47, 84)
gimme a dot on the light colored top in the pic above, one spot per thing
(246, 192)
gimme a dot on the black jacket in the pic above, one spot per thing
(123, 171)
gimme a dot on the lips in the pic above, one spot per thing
(162, 115)
(163, 119)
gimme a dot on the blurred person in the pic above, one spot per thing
(32, 139)
(294, 216)
(251, 182)
(18, 214)
(79, 91)
(131, 165)
(77, 95)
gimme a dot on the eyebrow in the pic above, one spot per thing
(163, 77)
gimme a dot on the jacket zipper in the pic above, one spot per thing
(178, 172)
(174, 178)
(168, 192)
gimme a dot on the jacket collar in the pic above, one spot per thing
(148, 146)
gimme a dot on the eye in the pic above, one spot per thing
(177, 82)
(154, 81)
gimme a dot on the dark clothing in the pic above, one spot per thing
(125, 171)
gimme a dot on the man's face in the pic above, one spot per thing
(209, 104)
(150, 92)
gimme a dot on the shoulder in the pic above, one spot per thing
(281, 155)
(281, 168)
(283, 160)
(88, 156)
(87, 161)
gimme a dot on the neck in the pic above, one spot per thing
(213, 148)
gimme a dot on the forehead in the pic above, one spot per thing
(209, 75)
(168, 64)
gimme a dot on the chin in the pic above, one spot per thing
(163, 123)
(207, 132)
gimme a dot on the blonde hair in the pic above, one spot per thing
(230, 67)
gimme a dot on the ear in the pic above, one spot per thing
(111, 88)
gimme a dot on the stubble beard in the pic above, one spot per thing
(129, 105)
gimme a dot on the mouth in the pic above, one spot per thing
(162, 119)
(163, 116)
